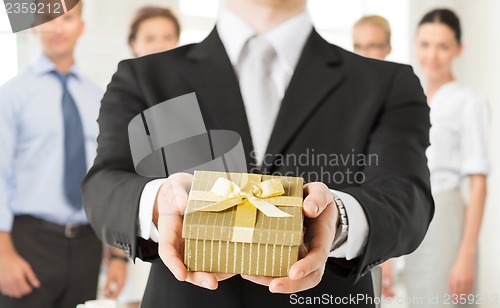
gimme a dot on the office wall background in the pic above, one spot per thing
(104, 44)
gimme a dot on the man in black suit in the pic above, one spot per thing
(343, 122)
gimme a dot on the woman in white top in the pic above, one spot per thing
(443, 270)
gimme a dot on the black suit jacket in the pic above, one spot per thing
(337, 104)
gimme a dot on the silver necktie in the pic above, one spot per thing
(259, 93)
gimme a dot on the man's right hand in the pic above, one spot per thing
(168, 213)
(17, 278)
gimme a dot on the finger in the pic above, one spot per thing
(451, 285)
(469, 287)
(202, 279)
(387, 287)
(303, 251)
(10, 289)
(315, 259)
(170, 246)
(119, 287)
(465, 287)
(320, 236)
(169, 253)
(286, 285)
(262, 280)
(107, 286)
(22, 287)
(173, 199)
(222, 276)
(317, 199)
(30, 275)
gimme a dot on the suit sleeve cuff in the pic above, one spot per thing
(147, 229)
(357, 234)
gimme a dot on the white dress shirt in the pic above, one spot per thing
(288, 40)
(458, 136)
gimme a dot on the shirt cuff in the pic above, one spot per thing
(357, 234)
(6, 219)
(147, 229)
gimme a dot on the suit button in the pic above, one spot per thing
(365, 271)
(127, 250)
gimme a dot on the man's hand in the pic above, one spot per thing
(117, 273)
(168, 212)
(17, 279)
(387, 279)
(321, 222)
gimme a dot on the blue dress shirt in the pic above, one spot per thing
(32, 142)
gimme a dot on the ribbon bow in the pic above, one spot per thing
(233, 195)
(227, 194)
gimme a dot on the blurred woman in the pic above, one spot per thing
(445, 265)
(153, 29)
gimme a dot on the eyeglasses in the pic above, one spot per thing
(369, 47)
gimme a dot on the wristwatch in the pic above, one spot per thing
(343, 228)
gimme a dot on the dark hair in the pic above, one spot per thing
(446, 17)
(148, 12)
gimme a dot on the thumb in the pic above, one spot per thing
(30, 276)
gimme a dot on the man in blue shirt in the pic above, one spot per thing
(49, 255)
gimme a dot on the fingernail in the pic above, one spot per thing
(313, 207)
(299, 275)
(37, 284)
(279, 288)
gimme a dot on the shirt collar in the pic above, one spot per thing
(43, 65)
(288, 38)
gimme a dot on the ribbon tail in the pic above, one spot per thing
(267, 208)
(221, 205)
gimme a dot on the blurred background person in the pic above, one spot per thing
(446, 261)
(49, 255)
(372, 37)
(153, 29)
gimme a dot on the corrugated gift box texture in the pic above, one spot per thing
(243, 223)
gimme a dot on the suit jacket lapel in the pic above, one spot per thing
(212, 76)
(317, 74)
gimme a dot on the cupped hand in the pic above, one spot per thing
(170, 205)
(321, 220)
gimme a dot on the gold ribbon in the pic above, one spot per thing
(227, 194)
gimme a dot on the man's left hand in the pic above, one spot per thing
(321, 222)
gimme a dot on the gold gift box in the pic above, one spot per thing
(242, 223)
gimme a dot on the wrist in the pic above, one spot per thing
(116, 257)
(6, 245)
(342, 223)
(468, 252)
